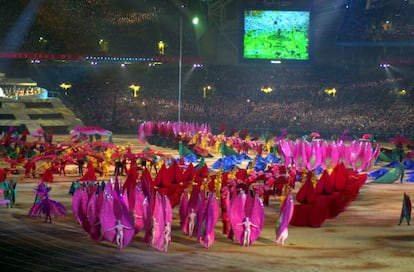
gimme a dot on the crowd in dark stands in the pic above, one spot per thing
(86, 27)
(101, 93)
(390, 21)
(362, 103)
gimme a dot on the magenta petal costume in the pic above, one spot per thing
(161, 223)
(140, 210)
(285, 215)
(183, 212)
(247, 224)
(211, 218)
(116, 222)
(80, 207)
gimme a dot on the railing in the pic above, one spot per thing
(53, 94)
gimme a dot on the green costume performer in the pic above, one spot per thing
(402, 172)
(406, 210)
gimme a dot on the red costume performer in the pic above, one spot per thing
(29, 168)
(90, 173)
(47, 175)
(62, 165)
(3, 174)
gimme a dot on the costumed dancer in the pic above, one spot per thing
(46, 206)
(161, 223)
(246, 218)
(119, 236)
(29, 168)
(210, 218)
(225, 208)
(80, 161)
(118, 167)
(115, 218)
(89, 173)
(247, 224)
(105, 168)
(153, 229)
(62, 166)
(191, 222)
(124, 168)
(47, 175)
(3, 174)
(167, 236)
(402, 171)
(4, 201)
(8, 189)
(406, 209)
(285, 215)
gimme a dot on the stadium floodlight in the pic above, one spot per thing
(65, 86)
(136, 89)
(196, 20)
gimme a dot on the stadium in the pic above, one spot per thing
(146, 81)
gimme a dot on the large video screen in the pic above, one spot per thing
(276, 35)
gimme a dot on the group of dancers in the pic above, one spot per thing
(145, 201)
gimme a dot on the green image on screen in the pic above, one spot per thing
(276, 35)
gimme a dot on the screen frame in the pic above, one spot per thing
(242, 59)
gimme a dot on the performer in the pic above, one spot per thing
(118, 167)
(3, 174)
(269, 146)
(225, 218)
(124, 168)
(46, 206)
(167, 236)
(29, 168)
(47, 175)
(247, 224)
(191, 222)
(90, 173)
(61, 167)
(406, 210)
(119, 228)
(81, 162)
(153, 230)
(402, 171)
(285, 215)
(8, 189)
(48, 136)
(105, 168)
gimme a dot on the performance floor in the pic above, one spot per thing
(365, 237)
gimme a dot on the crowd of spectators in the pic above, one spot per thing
(362, 103)
(390, 22)
(100, 94)
(77, 27)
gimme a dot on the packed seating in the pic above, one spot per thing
(100, 93)
(385, 23)
(123, 27)
(298, 101)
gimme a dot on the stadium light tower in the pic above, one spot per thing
(180, 64)
(195, 21)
